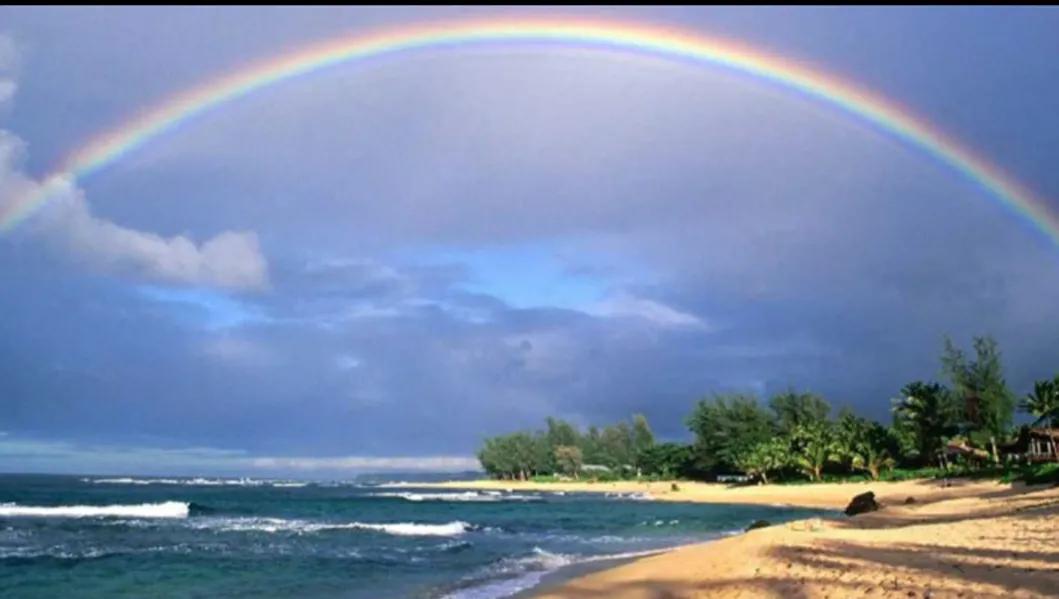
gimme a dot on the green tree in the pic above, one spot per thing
(767, 456)
(642, 441)
(616, 443)
(543, 456)
(592, 446)
(927, 413)
(865, 445)
(561, 432)
(568, 458)
(1043, 405)
(727, 427)
(1043, 402)
(813, 445)
(988, 403)
(522, 448)
(669, 460)
(797, 409)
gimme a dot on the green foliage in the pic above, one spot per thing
(988, 404)
(643, 439)
(513, 456)
(568, 460)
(925, 412)
(669, 460)
(813, 445)
(798, 409)
(727, 427)
(1043, 402)
(561, 448)
(865, 445)
(1039, 474)
(767, 456)
(794, 439)
(616, 444)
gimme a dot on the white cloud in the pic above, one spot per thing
(429, 463)
(240, 351)
(8, 62)
(347, 362)
(231, 259)
(627, 306)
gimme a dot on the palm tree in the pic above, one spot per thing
(868, 445)
(766, 456)
(1044, 404)
(814, 445)
(926, 409)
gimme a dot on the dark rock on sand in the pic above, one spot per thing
(759, 524)
(865, 502)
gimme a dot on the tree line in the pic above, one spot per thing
(795, 434)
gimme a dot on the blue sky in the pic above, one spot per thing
(379, 264)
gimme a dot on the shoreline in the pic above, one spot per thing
(957, 538)
(558, 578)
(990, 543)
(833, 496)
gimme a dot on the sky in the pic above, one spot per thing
(375, 266)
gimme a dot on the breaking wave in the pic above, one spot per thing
(168, 509)
(195, 482)
(280, 525)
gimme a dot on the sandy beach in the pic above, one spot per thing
(969, 539)
(825, 495)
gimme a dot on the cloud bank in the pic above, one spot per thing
(230, 259)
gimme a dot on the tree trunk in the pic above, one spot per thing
(764, 477)
(873, 471)
(996, 454)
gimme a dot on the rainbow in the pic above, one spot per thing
(666, 43)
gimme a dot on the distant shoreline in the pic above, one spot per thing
(819, 495)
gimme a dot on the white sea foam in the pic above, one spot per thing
(194, 482)
(519, 574)
(168, 509)
(449, 529)
(469, 496)
(278, 525)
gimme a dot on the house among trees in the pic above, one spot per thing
(1036, 444)
(959, 447)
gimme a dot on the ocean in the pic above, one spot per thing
(78, 536)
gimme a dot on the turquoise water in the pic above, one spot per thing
(65, 536)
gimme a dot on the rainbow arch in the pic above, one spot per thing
(668, 43)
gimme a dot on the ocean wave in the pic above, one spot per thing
(194, 482)
(509, 576)
(168, 509)
(468, 496)
(25, 553)
(633, 496)
(660, 523)
(281, 525)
